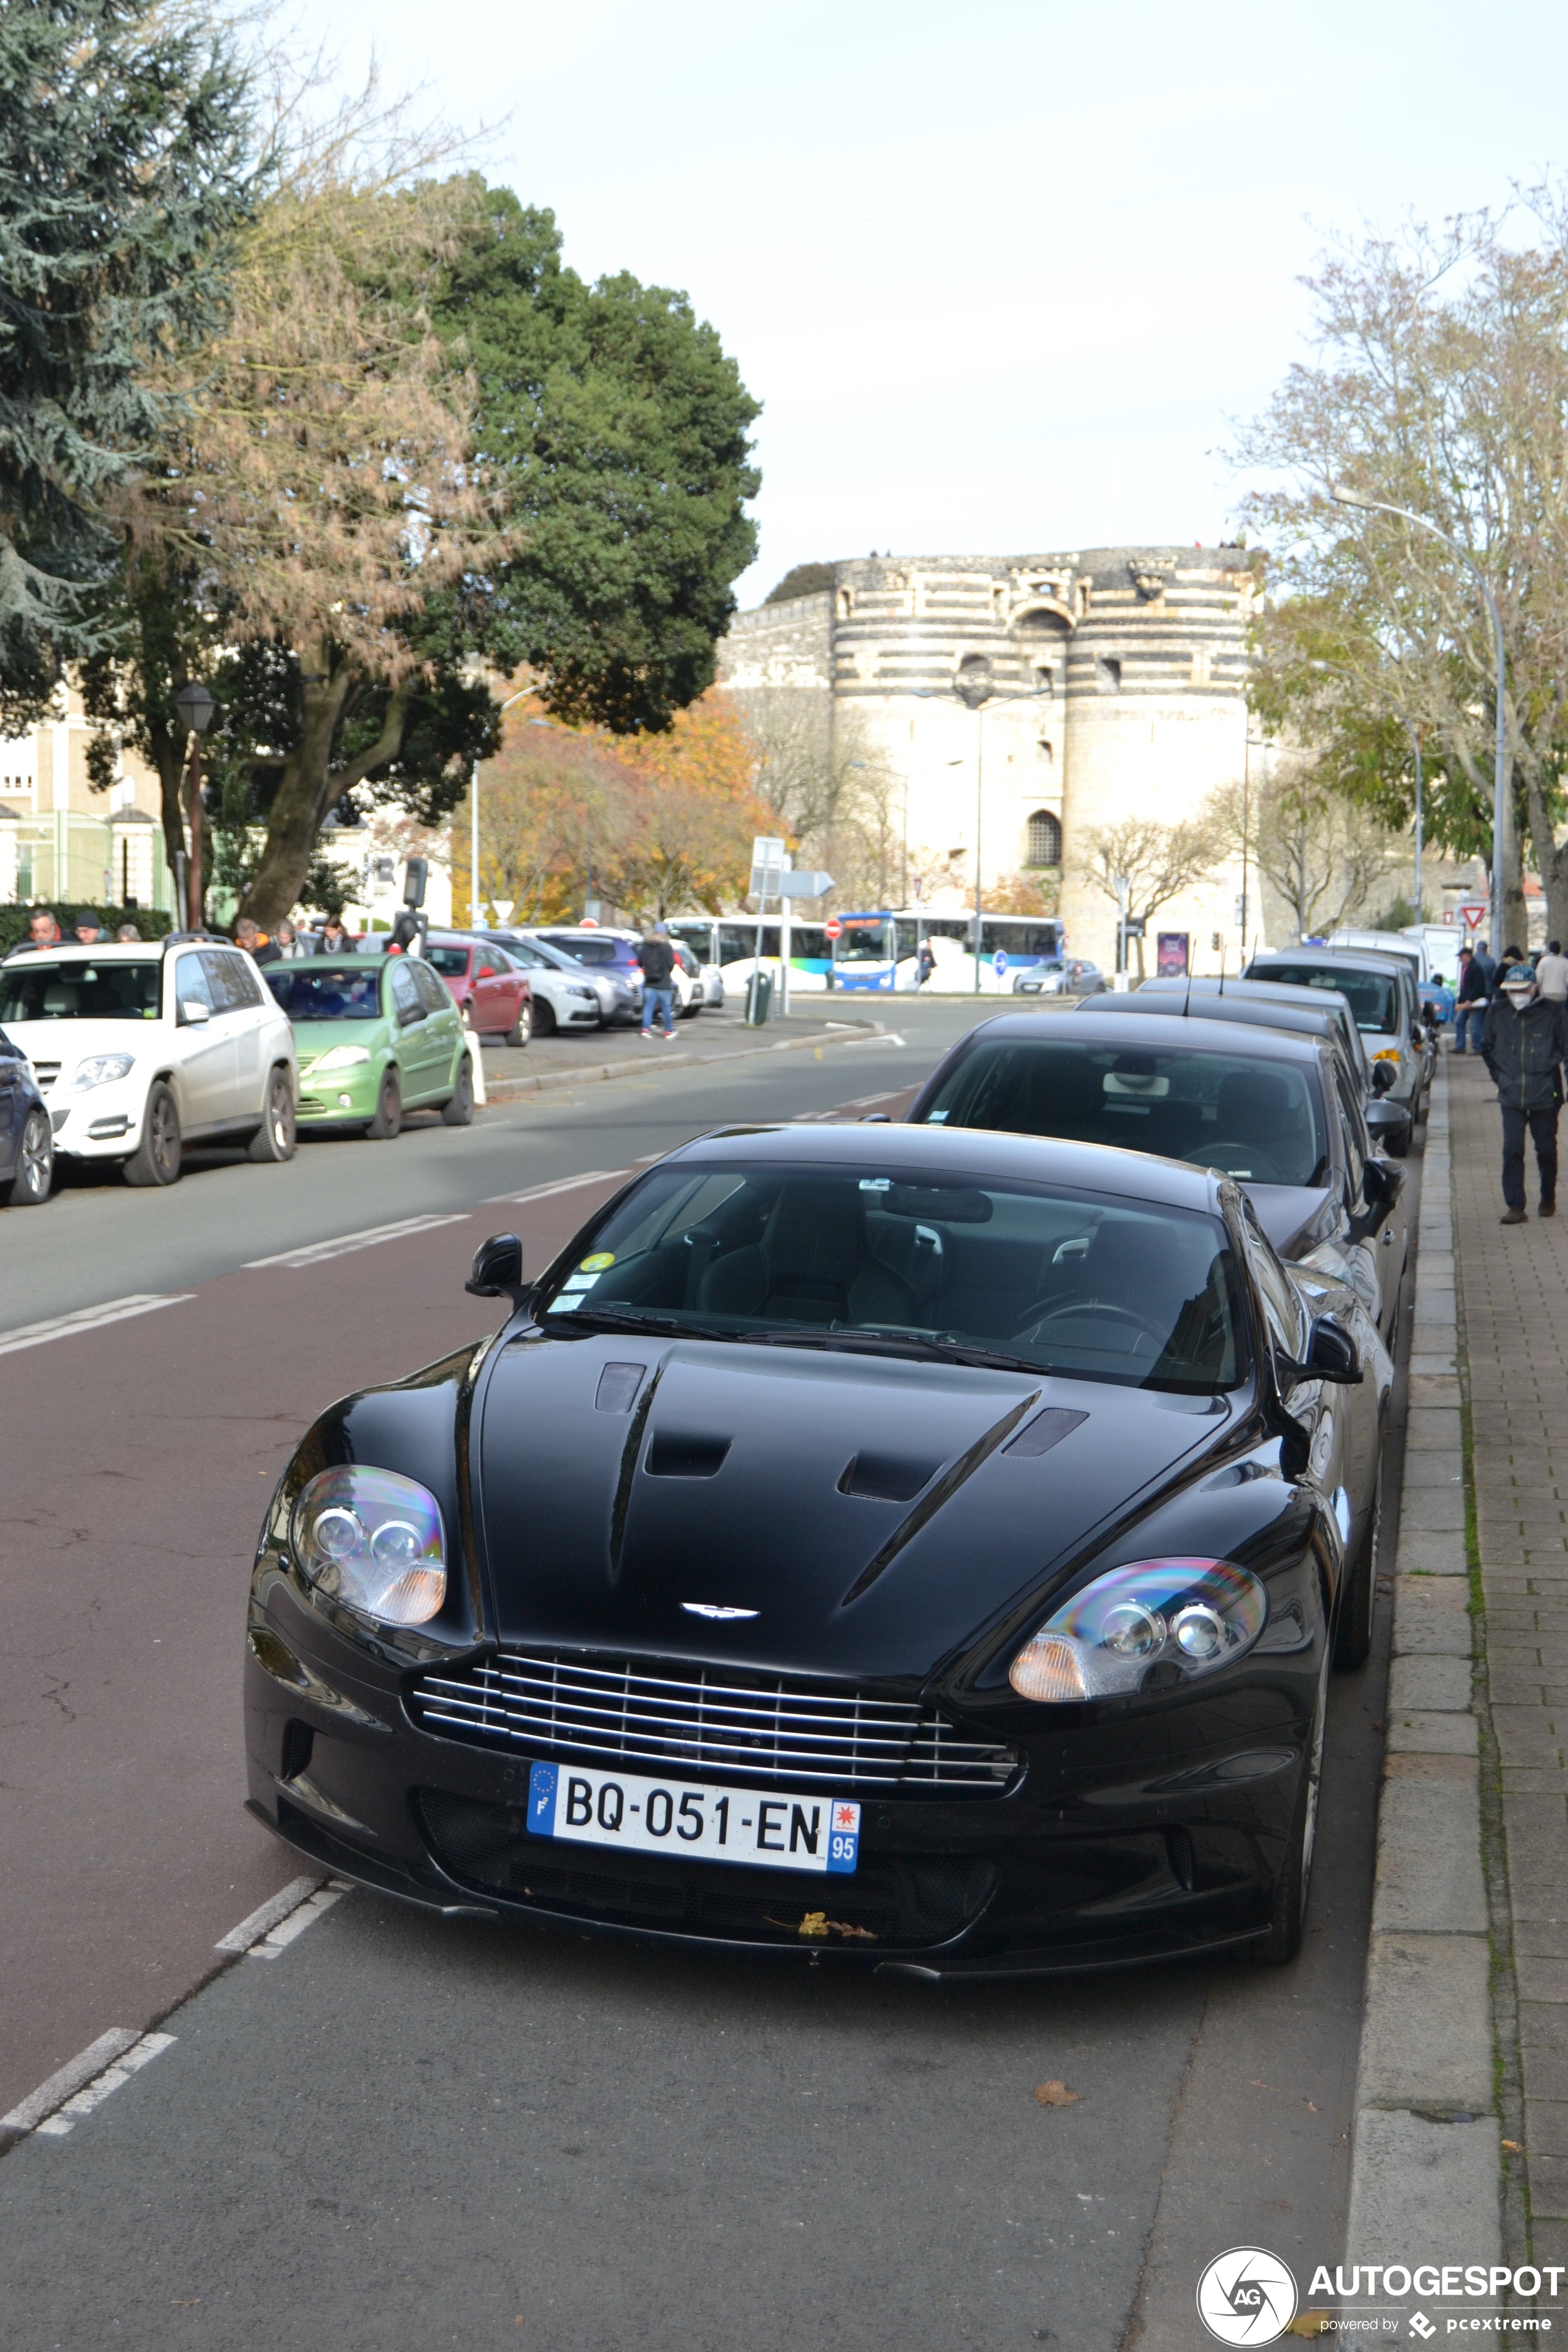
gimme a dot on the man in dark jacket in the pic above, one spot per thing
(656, 959)
(1475, 988)
(1523, 1039)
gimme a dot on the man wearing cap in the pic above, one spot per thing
(1523, 1039)
(88, 929)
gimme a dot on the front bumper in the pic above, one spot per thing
(327, 1096)
(101, 1123)
(1087, 1859)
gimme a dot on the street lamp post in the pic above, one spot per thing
(475, 905)
(974, 690)
(195, 707)
(1500, 745)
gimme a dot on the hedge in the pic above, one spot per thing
(13, 920)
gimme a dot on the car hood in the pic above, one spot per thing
(1289, 1214)
(314, 1037)
(867, 1514)
(70, 1043)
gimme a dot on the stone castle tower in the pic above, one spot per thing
(1117, 677)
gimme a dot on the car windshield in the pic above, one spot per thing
(949, 1268)
(1261, 1122)
(349, 992)
(38, 988)
(1373, 996)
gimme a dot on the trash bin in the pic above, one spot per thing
(759, 998)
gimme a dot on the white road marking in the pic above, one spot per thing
(53, 2110)
(298, 1920)
(88, 1318)
(563, 1184)
(315, 1253)
(266, 1915)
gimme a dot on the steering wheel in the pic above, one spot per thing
(1264, 1170)
(1053, 1313)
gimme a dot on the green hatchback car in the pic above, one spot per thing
(375, 1036)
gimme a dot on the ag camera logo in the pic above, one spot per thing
(1246, 2296)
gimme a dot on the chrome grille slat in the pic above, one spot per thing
(775, 1727)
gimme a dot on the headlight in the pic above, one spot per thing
(582, 992)
(102, 1070)
(339, 1057)
(373, 1541)
(1190, 1615)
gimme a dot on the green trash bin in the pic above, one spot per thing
(759, 998)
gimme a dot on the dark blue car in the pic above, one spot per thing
(27, 1137)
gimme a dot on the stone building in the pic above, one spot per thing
(1117, 677)
(60, 840)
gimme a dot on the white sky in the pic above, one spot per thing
(1001, 273)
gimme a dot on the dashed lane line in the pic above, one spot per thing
(304, 1915)
(267, 1915)
(316, 1252)
(58, 2105)
(88, 1318)
(563, 1184)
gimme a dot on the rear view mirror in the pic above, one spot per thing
(498, 1269)
(1388, 1123)
(1331, 1353)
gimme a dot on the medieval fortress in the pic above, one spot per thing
(1117, 690)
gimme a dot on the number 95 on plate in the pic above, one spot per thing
(814, 1833)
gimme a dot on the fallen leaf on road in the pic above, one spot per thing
(1310, 2323)
(1311, 2108)
(1258, 2084)
(1513, 2147)
(1055, 2094)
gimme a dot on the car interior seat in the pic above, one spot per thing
(813, 1263)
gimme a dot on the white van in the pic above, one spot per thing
(1441, 943)
(1399, 943)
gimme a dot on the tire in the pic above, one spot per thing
(521, 1029)
(275, 1138)
(458, 1110)
(389, 1119)
(29, 1187)
(1287, 1916)
(1352, 1625)
(545, 1022)
(156, 1159)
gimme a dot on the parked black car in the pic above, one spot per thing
(922, 1547)
(26, 1138)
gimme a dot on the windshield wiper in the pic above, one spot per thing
(614, 1319)
(894, 1343)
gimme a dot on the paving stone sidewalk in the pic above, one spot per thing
(1513, 1288)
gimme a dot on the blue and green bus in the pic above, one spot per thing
(880, 949)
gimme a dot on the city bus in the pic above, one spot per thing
(876, 950)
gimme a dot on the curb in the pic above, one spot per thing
(857, 1033)
(1426, 2157)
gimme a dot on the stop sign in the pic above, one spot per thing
(834, 927)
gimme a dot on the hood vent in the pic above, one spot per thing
(1046, 1430)
(673, 1455)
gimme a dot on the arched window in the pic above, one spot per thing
(1045, 839)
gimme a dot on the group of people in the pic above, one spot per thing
(87, 932)
(1518, 1011)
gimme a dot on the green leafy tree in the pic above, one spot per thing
(126, 170)
(615, 429)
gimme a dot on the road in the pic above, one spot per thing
(395, 2133)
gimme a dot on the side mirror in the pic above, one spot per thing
(1332, 1355)
(498, 1269)
(1383, 1076)
(485, 971)
(1384, 1183)
(878, 1119)
(1415, 1036)
(1388, 1123)
(193, 1013)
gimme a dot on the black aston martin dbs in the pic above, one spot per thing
(922, 1547)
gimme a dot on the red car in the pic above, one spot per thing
(488, 990)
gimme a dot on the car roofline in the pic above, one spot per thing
(1216, 1034)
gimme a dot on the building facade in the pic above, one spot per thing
(62, 842)
(1117, 691)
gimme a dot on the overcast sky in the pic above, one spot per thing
(999, 273)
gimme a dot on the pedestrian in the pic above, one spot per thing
(927, 963)
(1523, 1039)
(1551, 974)
(127, 933)
(255, 941)
(290, 943)
(1475, 990)
(88, 930)
(43, 931)
(656, 959)
(335, 941)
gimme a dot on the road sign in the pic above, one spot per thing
(834, 927)
(1473, 913)
(805, 886)
(999, 963)
(768, 862)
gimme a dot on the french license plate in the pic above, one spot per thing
(622, 1808)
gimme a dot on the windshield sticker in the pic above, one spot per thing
(597, 1263)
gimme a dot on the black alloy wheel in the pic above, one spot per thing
(275, 1138)
(521, 1029)
(29, 1188)
(156, 1159)
(458, 1110)
(1353, 1626)
(389, 1119)
(1288, 1916)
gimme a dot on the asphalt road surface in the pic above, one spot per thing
(395, 2133)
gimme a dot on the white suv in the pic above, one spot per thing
(142, 1048)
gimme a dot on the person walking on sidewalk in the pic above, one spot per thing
(656, 959)
(1475, 990)
(1523, 1039)
(1551, 974)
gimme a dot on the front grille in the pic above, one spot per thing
(890, 1900)
(704, 1719)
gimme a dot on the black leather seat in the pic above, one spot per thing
(813, 1264)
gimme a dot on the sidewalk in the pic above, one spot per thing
(1513, 1286)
